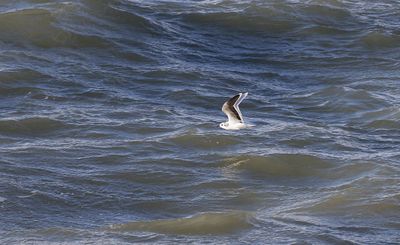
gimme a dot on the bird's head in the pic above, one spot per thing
(223, 125)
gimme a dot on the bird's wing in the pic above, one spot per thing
(231, 109)
(242, 96)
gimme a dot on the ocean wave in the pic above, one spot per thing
(255, 17)
(126, 16)
(40, 27)
(151, 177)
(279, 165)
(384, 124)
(22, 82)
(336, 99)
(208, 141)
(327, 31)
(22, 74)
(240, 21)
(31, 126)
(327, 14)
(379, 40)
(218, 223)
(382, 118)
(348, 201)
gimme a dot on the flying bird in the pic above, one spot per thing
(231, 109)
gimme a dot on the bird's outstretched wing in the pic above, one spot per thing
(231, 108)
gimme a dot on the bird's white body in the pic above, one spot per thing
(231, 109)
(233, 126)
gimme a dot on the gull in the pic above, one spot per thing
(231, 109)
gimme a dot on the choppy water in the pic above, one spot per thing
(110, 111)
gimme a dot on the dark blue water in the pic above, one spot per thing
(110, 112)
